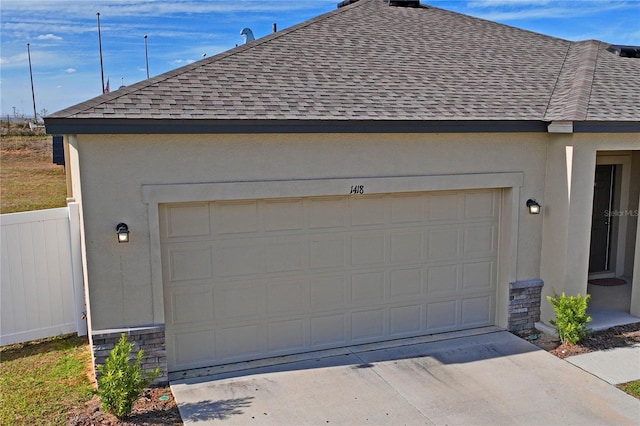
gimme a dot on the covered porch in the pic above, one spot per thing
(610, 303)
(591, 242)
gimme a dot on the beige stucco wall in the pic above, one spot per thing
(634, 200)
(568, 203)
(113, 169)
(109, 172)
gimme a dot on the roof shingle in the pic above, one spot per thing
(371, 61)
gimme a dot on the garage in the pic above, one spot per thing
(251, 279)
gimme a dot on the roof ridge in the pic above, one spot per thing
(572, 92)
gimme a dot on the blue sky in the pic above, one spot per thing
(63, 36)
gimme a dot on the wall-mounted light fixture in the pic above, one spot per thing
(534, 207)
(122, 230)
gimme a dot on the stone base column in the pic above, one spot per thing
(524, 304)
(151, 339)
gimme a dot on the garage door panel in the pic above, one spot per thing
(190, 306)
(367, 288)
(406, 246)
(368, 210)
(284, 276)
(405, 284)
(368, 249)
(479, 204)
(443, 243)
(478, 275)
(239, 301)
(281, 215)
(405, 320)
(327, 213)
(444, 207)
(189, 262)
(240, 257)
(367, 325)
(328, 330)
(479, 240)
(442, 316)
(443, 280)
(327, 251)
(235, 217)
(476, 311)
(191, 349)
(286, 336)
(284, 255)
(287, 297)
(408, 208)
(235, 343)
(187, 220)
(328, 293)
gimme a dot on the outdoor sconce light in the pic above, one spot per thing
(122, 230)
(534, 207)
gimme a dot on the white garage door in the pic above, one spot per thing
(258, 278)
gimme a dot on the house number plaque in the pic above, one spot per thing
(357, 189)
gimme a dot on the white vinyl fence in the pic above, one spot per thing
(42, 293)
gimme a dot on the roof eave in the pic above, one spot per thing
(190, 126)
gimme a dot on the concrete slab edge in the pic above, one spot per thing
(211, 372)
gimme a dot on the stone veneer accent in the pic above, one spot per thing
(150, 339)
(524, 304)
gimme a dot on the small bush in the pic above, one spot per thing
(571, 317)
(122, 380)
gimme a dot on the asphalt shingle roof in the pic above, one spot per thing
(372, 61)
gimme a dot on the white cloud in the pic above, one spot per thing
(70, 70)
(506, 3)
(158, 8)
(559, 10)
(48, 37)
(19, 59)
(179, 62)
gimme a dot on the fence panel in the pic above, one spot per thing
(41, 292)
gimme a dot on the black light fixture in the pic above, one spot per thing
(534, 207)
(122, 230)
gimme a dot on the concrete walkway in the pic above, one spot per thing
(489, 379)
(614, 366)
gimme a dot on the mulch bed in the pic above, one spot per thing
(150, 410)
(615, 337)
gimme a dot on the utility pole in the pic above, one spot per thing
(146, 54)
(33, 93)
(100, 47)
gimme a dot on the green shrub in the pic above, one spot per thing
(121, 379)
(571, 317)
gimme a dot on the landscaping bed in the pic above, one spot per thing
(156, 406)
(615, 337)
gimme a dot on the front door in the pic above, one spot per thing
(599, 257)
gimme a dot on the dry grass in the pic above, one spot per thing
(28, 178)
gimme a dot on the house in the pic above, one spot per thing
(365, 175)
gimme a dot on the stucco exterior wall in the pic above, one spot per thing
(634, 200)
(113, 169)
(568, 203)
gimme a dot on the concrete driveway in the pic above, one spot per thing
(486, 379)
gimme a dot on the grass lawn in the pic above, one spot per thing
(28, 178)
(41, 381)
(632, 388)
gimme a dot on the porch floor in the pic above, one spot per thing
(609, 306)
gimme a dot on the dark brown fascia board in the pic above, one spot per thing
(56, 126)
(606, 127)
